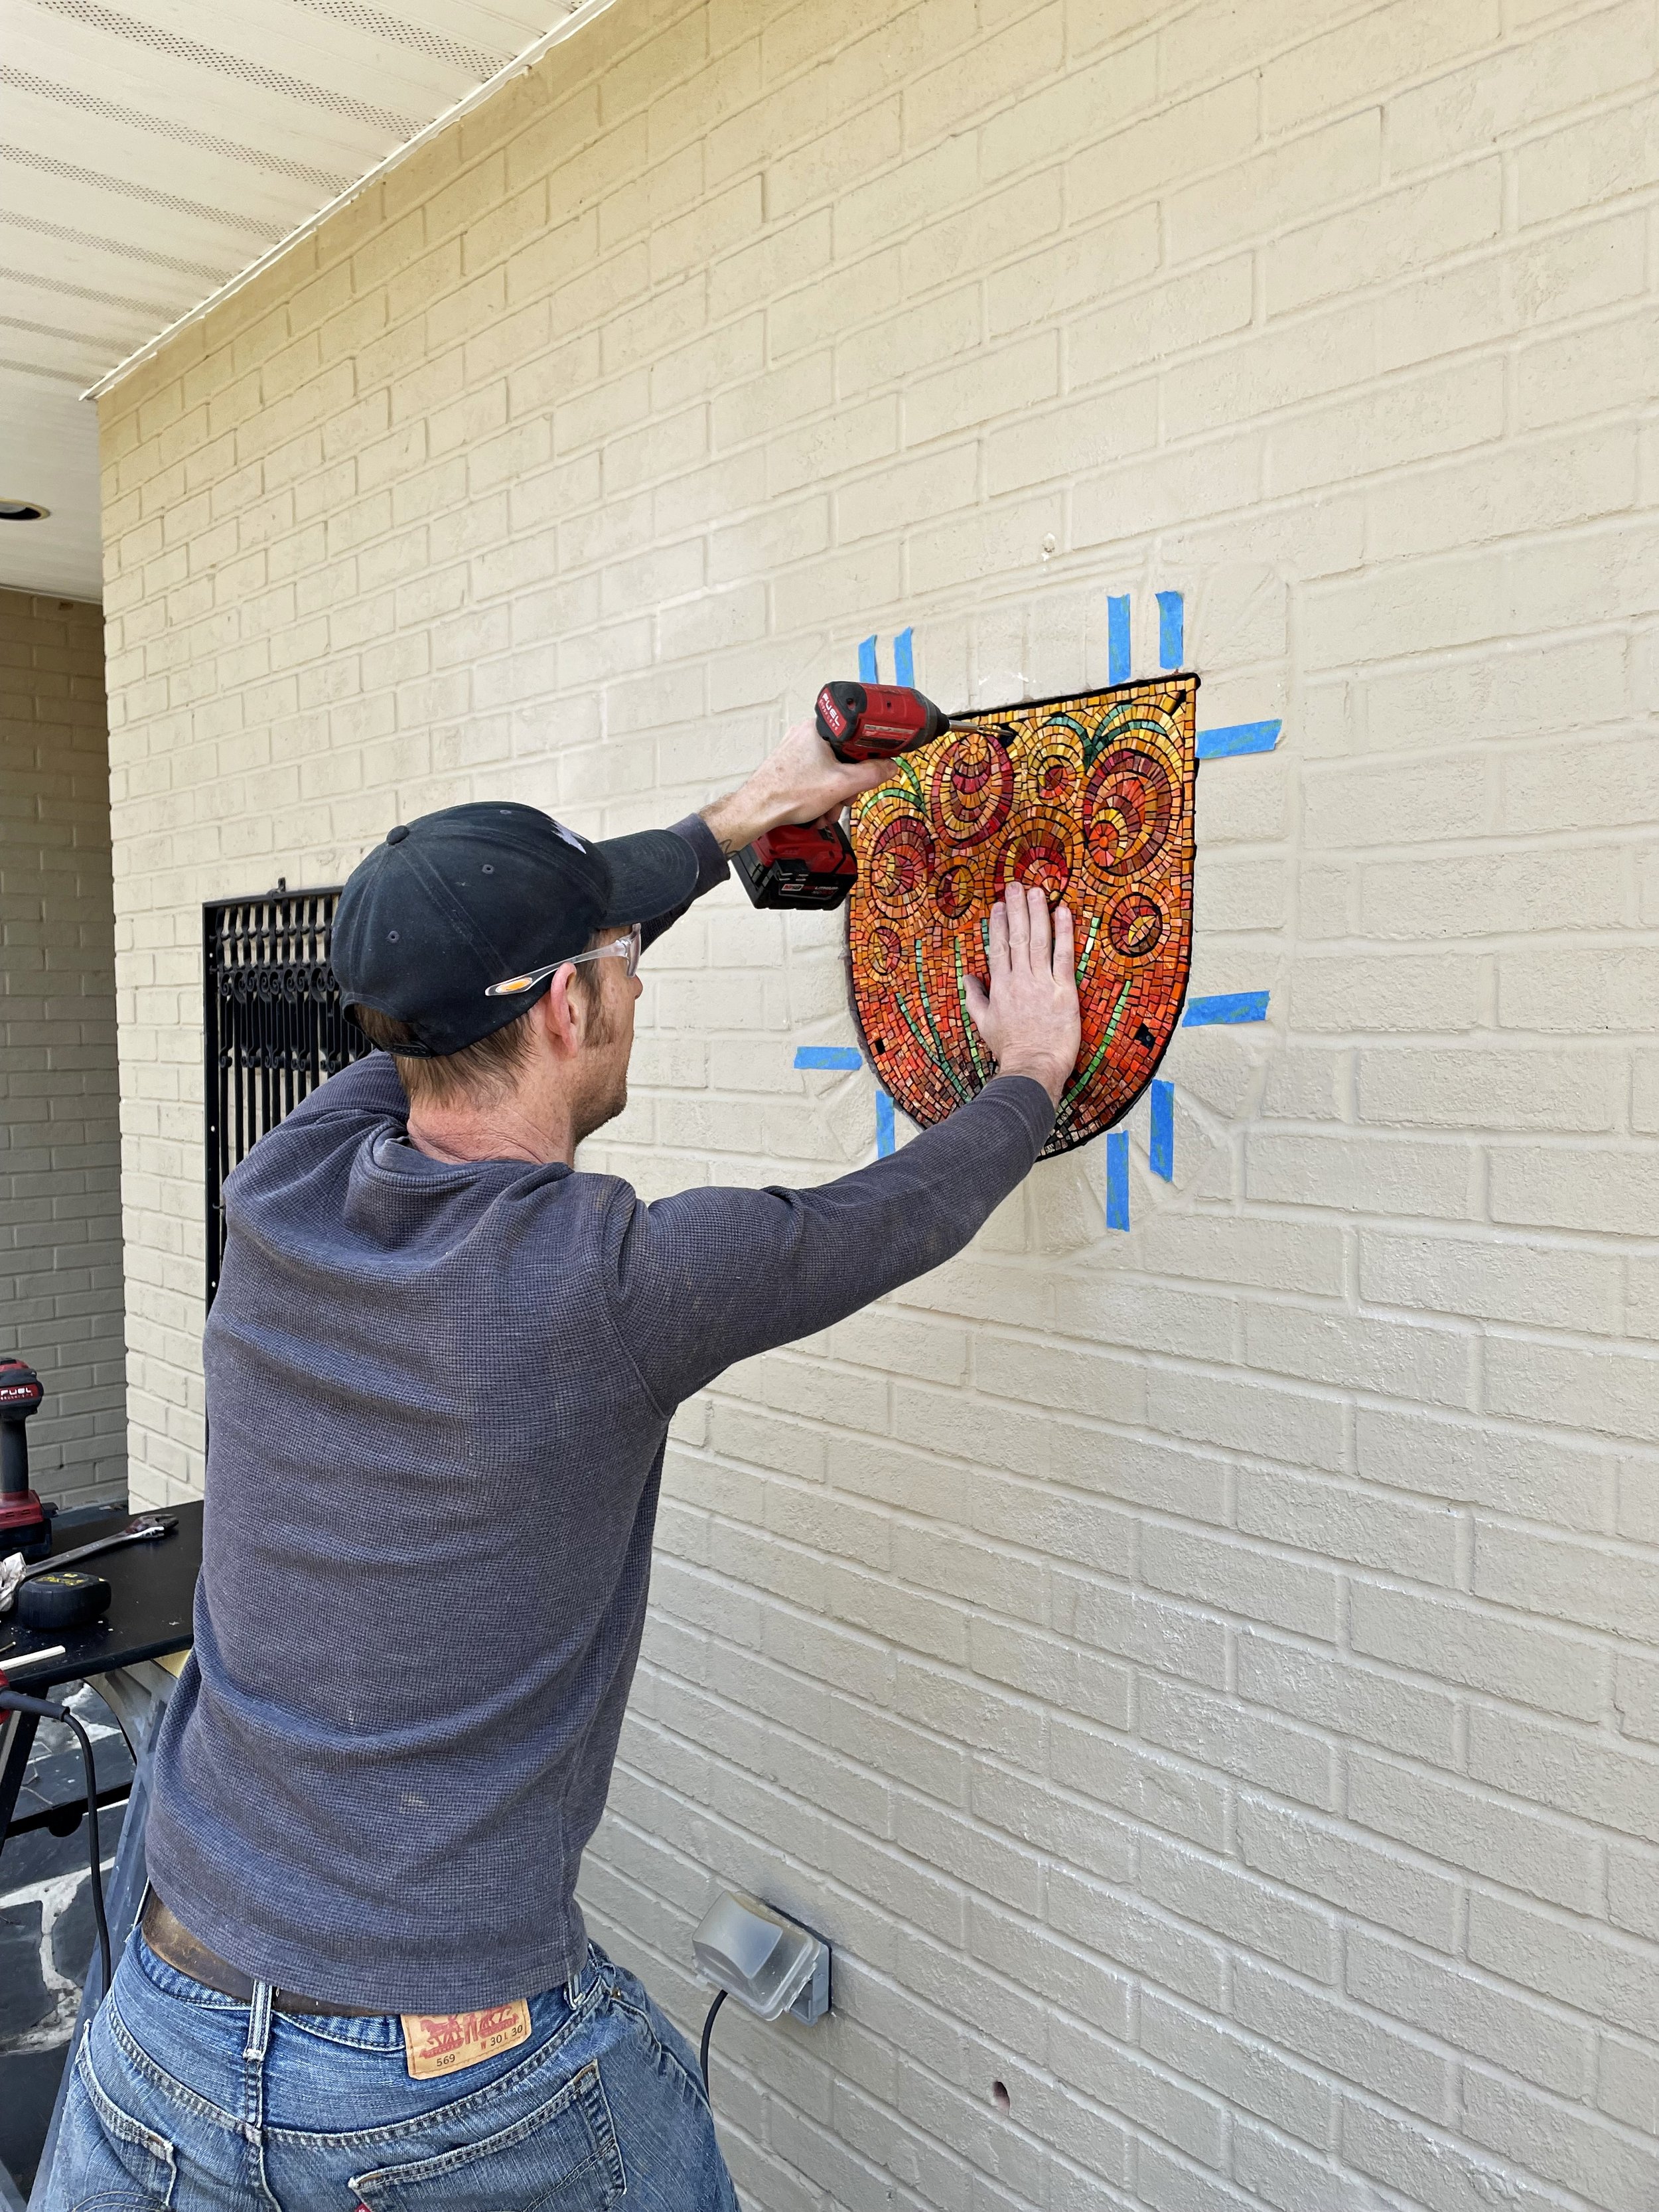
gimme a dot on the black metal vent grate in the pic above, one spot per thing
(272, 1024)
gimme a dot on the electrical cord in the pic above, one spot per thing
(14, 1701)
(708, 2030)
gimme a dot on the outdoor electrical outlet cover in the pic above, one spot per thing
(769, 1962)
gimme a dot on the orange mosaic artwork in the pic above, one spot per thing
(1091, 797)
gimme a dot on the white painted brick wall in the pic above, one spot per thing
(60, 1204)
(1205, 1679)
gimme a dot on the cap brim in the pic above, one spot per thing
(652, 873)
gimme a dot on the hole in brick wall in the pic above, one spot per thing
(1000, 2097)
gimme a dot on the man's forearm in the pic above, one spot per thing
(801, 780)
(715, 1275)
(734, 821)
(773, 795)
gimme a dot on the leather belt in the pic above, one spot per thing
(169, 1938)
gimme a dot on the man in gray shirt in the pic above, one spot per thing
(441, 1370)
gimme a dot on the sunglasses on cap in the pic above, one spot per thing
(624, 948)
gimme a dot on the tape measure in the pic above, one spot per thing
(68, 1597)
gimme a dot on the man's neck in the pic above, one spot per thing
(506, 1132)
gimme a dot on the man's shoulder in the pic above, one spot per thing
(361, 1096)
(364, 1090)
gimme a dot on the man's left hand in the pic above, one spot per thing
(801, 781)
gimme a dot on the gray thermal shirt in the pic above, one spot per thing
(437, 1398)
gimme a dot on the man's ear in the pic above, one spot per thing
(561, 1013)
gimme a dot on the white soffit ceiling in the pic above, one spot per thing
(150, 152)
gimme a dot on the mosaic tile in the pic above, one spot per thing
(1090, 796)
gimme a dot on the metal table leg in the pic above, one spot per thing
(16, 1742)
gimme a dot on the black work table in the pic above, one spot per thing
(152, 1586)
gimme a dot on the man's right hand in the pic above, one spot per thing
(801, 780)
(1029, 1017)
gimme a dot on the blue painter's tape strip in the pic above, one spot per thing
(828, 1055)
(1225, 1006)
(1117, 1179)
(1161, 1153)
(1238, 738)
(886, 1138)
(1171, 628)
(867, 662)
(904, 660)
(1119, 656)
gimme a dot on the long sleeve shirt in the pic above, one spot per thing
(438, 1398)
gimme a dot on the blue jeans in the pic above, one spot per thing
(186, 2099)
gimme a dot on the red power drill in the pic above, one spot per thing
(807, 864)
(24, 1523)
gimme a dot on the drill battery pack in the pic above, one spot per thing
(804, 865)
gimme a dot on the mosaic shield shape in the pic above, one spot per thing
(1090, 796)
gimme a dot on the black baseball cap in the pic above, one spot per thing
(464, 898)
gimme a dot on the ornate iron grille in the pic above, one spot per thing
(272, 1027)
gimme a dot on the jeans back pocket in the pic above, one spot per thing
(561, 2158)
(107, 2160)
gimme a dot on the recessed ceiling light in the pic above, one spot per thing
(23, 510)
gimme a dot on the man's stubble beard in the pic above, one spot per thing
(603, 1105)
(608, 1094)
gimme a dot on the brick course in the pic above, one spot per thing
(1204, 1679)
